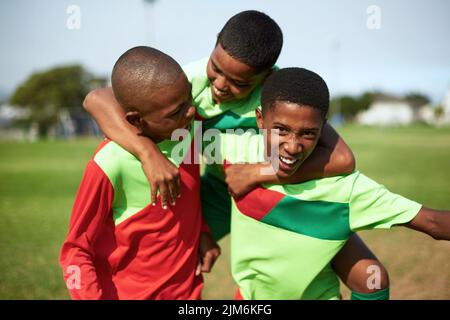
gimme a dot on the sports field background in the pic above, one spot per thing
(38, 182)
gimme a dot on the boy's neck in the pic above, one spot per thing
(155, 140)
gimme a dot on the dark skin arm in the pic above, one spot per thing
(435, 223)
(110, 116)
(354, 259)
(331, 157)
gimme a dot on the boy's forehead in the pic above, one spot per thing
(292, 114)
(232, 67)
(170, 97)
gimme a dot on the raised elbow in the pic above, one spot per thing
(90, 100)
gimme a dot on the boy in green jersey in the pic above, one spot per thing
(284, 237)
(226, 90)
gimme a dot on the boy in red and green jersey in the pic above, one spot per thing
(226, 90)
(119, 246)
(284, 237)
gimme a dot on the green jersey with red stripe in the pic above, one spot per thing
(285, 236)
(119, 246)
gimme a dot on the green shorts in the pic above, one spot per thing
(216, 205)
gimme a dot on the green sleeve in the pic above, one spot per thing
(195, 69)
(196, 74)
(235, 148)
(372, 206)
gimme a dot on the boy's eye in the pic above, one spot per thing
(281, 130)
(214, 68)
(309, 134)
(241, 85)
(175, 112)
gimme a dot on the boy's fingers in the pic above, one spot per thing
(163, 190)
(198, 270)
(208, 262)
(173, 193)
(178, 187)
(154, 192)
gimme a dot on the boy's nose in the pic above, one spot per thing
(220, 83)
(293, 147)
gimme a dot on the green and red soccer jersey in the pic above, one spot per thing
(285, 236)
(119, 245)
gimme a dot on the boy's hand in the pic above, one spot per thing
(162, 175)
(242, 178)
(208, 252)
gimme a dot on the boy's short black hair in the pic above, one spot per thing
(296, 85)
(138, 73)
(253, 38)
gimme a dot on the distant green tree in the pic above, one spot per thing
(46, 93)
(348, 106)
(417, 99)
(438, 111)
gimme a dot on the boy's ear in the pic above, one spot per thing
(134, 118)
(259, 118)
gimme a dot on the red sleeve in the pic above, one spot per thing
(91, 208)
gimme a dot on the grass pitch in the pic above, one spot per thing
(39, 181)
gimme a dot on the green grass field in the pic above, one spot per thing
(39, 181)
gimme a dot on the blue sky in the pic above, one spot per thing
(410, 52)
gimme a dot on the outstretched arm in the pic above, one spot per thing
(110, 116)
(331, 157)
(435, 223)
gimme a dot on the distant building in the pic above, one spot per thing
(9, 113)
(75, 123)
(387, 111)
(390, 110)
(427, 114)
(9, 116)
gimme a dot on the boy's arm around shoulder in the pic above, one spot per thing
(331, 157)
(161, 174)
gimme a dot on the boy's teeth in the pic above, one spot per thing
(217, 92)
(287, 161)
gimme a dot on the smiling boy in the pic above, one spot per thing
(284, 237)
